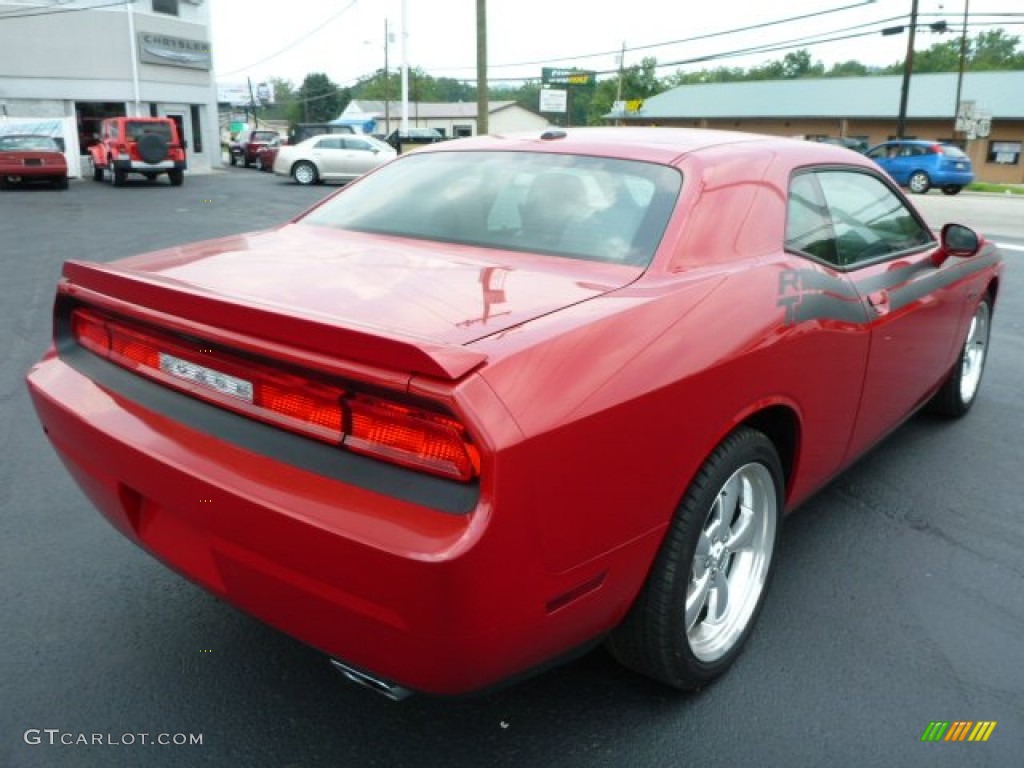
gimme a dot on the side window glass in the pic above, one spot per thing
(808, 224)
(356, 144)
(329, 143)
(869, 220)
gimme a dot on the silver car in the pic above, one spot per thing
(331, 157)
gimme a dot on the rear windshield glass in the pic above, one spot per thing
(135, 130)
(592, 208)
(28, 143)
(263, 136)
(954, 152)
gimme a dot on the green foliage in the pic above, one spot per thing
(318, 100)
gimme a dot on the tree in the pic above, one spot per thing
(318, 100)
(848, 69)
(799, 64)
(995, 49)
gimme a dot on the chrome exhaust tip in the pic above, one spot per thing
(383, 687)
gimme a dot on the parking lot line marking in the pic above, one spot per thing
(1009, 247)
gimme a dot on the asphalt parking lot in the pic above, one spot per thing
(898, 598)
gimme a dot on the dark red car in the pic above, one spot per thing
(509, 397)
(28, 158)
(248, 143)
(267, 154)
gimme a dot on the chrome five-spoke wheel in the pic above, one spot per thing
(708, 581)
(731, 562)
(960, 388)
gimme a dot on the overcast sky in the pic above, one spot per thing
(345, 38)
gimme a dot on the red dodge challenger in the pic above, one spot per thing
(508, 397)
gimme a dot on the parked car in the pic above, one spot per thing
(149, 146)
(331, 157)
(506, 398)
(27, 158)
(303, 131)
(921, 165)
(266, 154)
(247, 144)
(414, 137)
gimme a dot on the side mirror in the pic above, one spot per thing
(957, 240)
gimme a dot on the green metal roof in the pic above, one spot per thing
(931, 96)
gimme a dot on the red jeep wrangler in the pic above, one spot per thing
(146, 145)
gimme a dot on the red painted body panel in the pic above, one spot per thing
(593, 391)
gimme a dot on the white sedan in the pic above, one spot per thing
(331, 157)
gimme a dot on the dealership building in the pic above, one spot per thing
(67, 64)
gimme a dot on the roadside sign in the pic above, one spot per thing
(553, 76)
(553, 99)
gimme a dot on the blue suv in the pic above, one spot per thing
(921, 165)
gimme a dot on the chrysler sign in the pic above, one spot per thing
(157, 48)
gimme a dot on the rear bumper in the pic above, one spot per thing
(138, 166)
(953, 178)
(434, 602)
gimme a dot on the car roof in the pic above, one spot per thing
(650, 144)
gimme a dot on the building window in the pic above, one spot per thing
(197, 129)
(462, 131)
(170, 7)
(1004, 152)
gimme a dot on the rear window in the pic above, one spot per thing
(954, 152)
(263, 136)
(135, 130)
(28, 143)
(593, 208)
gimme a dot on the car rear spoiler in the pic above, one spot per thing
(108, 287)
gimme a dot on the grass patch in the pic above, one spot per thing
(1002, 189)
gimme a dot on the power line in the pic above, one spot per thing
(24, 14)
(292, 44)
(694, 38)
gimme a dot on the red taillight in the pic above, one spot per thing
(410, 436)
(403, 434)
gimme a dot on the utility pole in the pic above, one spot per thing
(405, 71)
(387, 82)
(482, 126)
(618, 88)
(908, 68)
(963, 59)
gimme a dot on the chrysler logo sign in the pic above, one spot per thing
(173, 51)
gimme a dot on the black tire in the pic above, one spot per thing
(960, 388)
(117, 176)
(97, 172)
(305, 173)
(951, 189)
(245, 160)
(234, 159)
(919, 183)
(655, 639)
(152, 148)
(177, 177)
